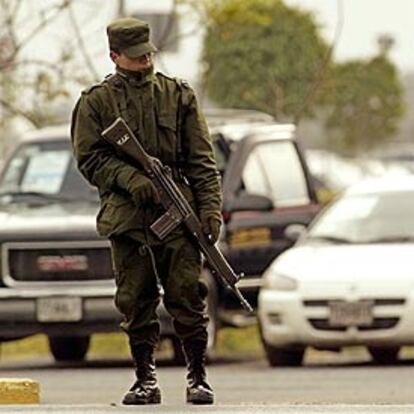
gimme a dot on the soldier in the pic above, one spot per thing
(164, 114)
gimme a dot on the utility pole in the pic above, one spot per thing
(121, 8)
(385, 43)
(6, 88)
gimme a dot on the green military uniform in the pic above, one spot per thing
(164, 114)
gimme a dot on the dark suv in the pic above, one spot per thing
(56, 274)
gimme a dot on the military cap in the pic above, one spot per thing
(130, 36)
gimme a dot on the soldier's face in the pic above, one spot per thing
(133, 64)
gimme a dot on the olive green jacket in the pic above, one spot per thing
(163, 112)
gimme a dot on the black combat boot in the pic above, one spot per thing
(198, 389)
(145, 390)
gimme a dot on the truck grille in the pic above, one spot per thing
(378, 323)
(56, 262)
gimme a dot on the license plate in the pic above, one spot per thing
(350, 313)
(59, 309)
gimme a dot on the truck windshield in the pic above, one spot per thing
(48, 169)
(273, 169)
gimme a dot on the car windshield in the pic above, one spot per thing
(371, 218)
(45, 170)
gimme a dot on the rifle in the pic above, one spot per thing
(178, 210)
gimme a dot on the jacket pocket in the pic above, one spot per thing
(118, 214)
(167, 136)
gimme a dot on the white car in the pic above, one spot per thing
(349, 280)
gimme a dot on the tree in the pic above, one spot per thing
(31, 85)
(36, 87)
(366, 104)
(264, 55)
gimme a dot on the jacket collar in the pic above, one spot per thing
(136, 78)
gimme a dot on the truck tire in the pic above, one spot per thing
(284, 357)
(281, 356)
(385, 356)
(69, 348)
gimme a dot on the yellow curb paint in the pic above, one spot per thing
(19, 391)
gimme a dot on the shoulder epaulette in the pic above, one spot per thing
(165, 76)
(183, 82)
(113, 79)
(178, 81)
(87, 91)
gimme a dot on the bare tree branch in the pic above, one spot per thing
(42, 25)
(164, 38)
(35, 62)
(202, 21)
(82, 45)
(279, 97)
(16, 8)
(249, 97)
(21, 113)
(321, 72)
(30, 88)
(8, 25)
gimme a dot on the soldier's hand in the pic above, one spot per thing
(211, 226)
(142, 190)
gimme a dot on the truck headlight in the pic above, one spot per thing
(277, 281)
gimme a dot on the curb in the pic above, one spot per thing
(19, 391)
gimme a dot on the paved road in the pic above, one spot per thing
(241, 386)
(217, 409)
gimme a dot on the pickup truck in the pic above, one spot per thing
(55, 270)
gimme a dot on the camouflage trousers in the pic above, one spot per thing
(144, 274)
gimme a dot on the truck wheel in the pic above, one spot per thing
(281, 357)
(69, 348)
(384, 355)
(285, 357)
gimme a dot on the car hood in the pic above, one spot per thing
(63, 221)
(348, 263)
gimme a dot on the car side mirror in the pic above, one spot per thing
(251, 202)
(294, 231)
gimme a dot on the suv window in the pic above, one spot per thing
(220, 156)
(274, 169)
(47, 168)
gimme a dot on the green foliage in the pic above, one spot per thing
(239, 341)
(366, 104)
(262, 54)
(230, 342)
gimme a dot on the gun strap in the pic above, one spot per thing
(112, 98)
(180, 155)
(119, 108)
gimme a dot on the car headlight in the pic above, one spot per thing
(277, 281)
